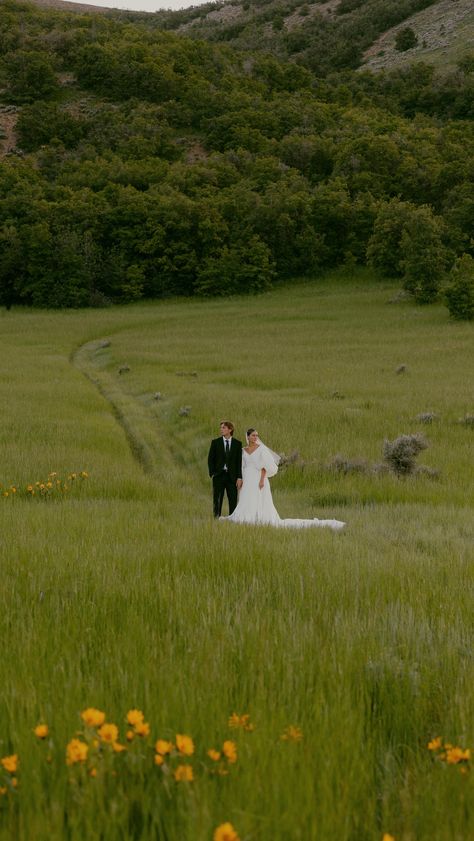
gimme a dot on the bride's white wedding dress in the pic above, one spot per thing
(256, 504)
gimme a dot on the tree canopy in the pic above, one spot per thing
(148, 164)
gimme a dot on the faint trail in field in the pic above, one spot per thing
(142, 434)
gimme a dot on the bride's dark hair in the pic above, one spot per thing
(249, 431)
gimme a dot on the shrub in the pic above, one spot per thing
(460, 292)
(427, 417)
(30, 75)
(401, 453)
(237, 269)
(424, 255)
(405, 39)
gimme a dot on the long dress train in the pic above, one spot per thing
(256, 504)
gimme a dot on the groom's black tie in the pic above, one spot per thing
(227, 448)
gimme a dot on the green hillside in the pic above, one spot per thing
(328, 36)
(138, 163)
(445, 36)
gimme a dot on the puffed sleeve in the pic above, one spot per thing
(267, 461)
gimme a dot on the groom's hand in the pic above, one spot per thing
(239, 484)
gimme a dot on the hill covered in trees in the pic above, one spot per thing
(140, 162)
(328, 35)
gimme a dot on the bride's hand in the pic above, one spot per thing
(261, 484)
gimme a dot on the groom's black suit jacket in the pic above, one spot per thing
(216, 459)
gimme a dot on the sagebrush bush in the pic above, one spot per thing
(401, 453)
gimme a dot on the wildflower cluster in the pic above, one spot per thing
(450, 754)
(8, 769)
(97, 751)
(292, 734)
(54, 485)
(94, 747)
(241, 722)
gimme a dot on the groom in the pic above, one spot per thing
(225, 467)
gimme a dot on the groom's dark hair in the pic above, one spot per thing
(229, 425)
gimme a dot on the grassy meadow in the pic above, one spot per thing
(122, 592)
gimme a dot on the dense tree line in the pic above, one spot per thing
(151, 165)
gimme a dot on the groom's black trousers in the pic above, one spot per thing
(223, 484)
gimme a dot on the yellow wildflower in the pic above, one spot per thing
(225, 832)
(142, 729)
(118, 748)
(93, 772)
(214, 755)
(10, 763)
(435, 744)
(135, 717)
(41, 731)
(229, 749)
(158, 759)
(93, 717)
(184, 744)
(163, 747)
(292, 734)
(3, 790)
(108, 733)
(130, 735)
(455, 755)
(184, 773)
(76, 751)
(237, 722)
(388, 837)
(14, 782)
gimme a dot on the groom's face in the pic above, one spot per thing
(225, 431)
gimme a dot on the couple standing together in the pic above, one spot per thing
(242, 473)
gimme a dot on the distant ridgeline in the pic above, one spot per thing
(137, 162)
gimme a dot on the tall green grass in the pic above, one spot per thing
(125, 593)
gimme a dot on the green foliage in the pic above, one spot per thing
(405, 39)
(170, 166)
(408, 241)
(30, 75)
(244, 268)
(460, 291)
(423, 256)
(384, 251)
(43, 122)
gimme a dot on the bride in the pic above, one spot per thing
(255, 505)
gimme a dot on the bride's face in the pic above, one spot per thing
(253, 437)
